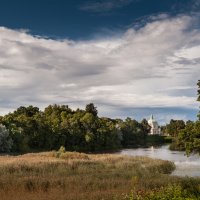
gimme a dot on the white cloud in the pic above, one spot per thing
(139, 68)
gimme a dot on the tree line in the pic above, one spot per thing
(30, 129)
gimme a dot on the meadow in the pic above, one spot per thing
(78, 176)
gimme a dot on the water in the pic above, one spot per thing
(185, 166)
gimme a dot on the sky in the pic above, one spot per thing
(131, 58)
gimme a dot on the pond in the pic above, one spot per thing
(185, 166)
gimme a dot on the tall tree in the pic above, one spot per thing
(90, 108)
(133, 132)
(190, 136)
(174, 127)
(146, 127)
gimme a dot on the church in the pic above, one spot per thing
(155, 129)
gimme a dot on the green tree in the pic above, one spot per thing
(22, 127)
(145, 126)
(133, 133)
(189, 137)
(5, 140)
(174, 127)
(56, 118)
(90, 108)
(108, 134)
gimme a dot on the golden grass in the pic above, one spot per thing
(77, 176)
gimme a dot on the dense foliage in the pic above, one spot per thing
(79, 130)
(5, 140)
(170, 192)
(190, 137)
(174, 127)
(186, 137)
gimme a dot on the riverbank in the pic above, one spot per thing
(150, 140)
(72, 176)
(185, 166)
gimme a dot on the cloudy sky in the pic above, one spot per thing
(130, 57)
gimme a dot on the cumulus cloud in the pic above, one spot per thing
(156, 65)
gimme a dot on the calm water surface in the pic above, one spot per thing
(185, 166)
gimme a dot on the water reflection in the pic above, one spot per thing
(185, 166)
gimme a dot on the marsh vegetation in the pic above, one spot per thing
(72, 176)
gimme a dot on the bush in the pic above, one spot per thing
(60, 152)
(171, 192)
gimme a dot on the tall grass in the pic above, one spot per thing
(78, 176)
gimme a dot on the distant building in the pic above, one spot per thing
(155, 129)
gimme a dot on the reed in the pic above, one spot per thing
(78, 176)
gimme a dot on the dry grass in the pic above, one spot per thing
(77, 176)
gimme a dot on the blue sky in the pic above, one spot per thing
(130, 57)
(65, 18)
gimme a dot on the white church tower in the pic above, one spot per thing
(155, 129)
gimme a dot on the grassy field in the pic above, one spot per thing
(78, 176)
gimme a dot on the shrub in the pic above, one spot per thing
(171, 192)
(60, 152)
